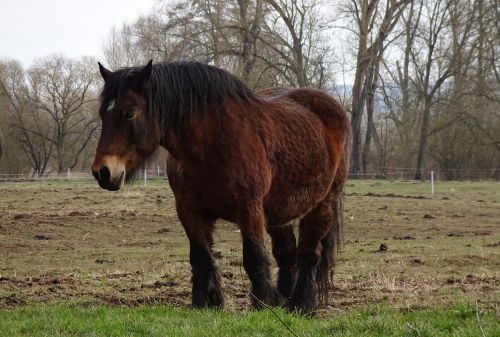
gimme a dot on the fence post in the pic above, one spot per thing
(158, 170)
(69, 173)
(145, 177)
(432, 181)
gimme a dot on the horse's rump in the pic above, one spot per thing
(309, 138)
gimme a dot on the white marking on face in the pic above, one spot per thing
(111, 105)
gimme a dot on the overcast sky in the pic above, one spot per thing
(35, 28)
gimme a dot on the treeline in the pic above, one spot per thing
(423, 77)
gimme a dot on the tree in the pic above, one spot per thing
(62, 90)
(296, 43)
(52, 108)
(27, 126)
(374, 23)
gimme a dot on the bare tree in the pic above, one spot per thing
(295, 38)
(28, 125)
(374, 22)
(64, 90)
(52, 108)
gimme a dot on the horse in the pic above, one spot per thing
(258, 159)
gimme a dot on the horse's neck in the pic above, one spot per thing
(189, 144)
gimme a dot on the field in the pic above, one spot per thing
(69, 244)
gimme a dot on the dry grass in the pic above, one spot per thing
(73, 242)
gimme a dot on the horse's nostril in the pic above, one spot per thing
(96, 175)
(104, 175)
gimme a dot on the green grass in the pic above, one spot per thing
(460, 320)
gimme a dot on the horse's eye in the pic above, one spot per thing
(129, 113)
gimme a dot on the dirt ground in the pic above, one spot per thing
(75, 243)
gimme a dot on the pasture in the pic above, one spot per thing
(69, 244)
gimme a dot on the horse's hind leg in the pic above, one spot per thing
(285, 253)
(313, 227)
(255, 260)
(206, 280)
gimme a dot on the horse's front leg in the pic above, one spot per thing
(255, 259)
(206, 279)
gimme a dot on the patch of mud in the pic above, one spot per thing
(482, 232)
(20, 216)
(160, 284)
(11, 300)
(486, 282)
(466, 233)
(81, 213)
(389, 195)
(42, 237)
(406, 237)
(457, 234)
(383, 248)
(102, 261)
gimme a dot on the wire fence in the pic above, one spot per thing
(402, 174)
(395, 173)
(141, 175)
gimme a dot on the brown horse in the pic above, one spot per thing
(258, 160)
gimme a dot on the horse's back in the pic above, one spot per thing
(312, 104)
(309, 132)
(314, 101)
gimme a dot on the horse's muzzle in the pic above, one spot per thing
(103, 177)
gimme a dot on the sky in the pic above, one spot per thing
(31, 29)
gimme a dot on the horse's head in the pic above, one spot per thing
(129, 131)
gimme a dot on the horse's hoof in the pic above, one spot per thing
(212, 299)
(306, 308)
(272, 299)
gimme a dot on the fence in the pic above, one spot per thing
(140, 175)
(394, 173)
(402, 174)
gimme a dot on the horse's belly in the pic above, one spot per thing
(281, 207)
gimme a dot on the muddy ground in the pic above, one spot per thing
(72, 242)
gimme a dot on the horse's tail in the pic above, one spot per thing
(331, 243)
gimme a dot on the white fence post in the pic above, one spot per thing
(145, 177)
(158, 170)
(69, 173)
(432, 181)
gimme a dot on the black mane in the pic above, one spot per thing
(181, 89)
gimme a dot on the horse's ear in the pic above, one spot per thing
(145, 73)
(105, 73)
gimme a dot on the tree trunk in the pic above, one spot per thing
(424, 129)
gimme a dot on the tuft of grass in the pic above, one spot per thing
(460, 320)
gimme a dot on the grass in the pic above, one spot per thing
(76, 260)
(460, 320)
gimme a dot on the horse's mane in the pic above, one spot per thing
(179, 90)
